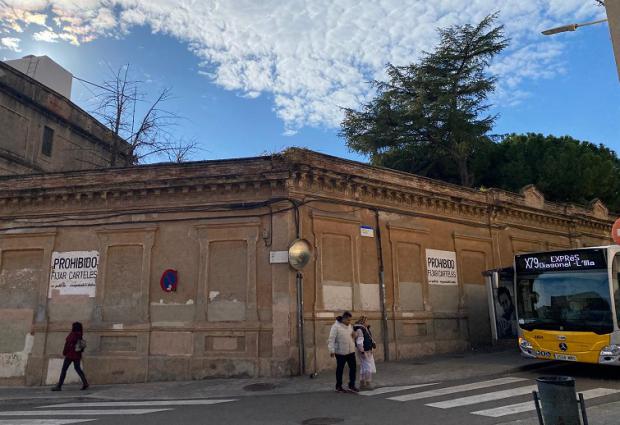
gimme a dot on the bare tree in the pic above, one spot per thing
(143, 122)
(180, 150)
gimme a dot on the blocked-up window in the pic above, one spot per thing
(48, 141)
(337, 272)
(123, 295)
(227, 283)
(410, 276)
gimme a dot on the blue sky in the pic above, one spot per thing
(252, 79)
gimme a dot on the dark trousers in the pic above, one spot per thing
(78, 369)
(349, 360)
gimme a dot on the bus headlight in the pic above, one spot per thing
(525, 344)
(610, 351)
(526, 348)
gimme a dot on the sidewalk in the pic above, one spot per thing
(438, 368)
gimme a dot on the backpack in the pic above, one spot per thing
(80, 345)
(369, 344)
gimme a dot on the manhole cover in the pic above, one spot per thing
(259, 387)
(322, 421)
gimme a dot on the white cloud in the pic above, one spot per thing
(312, 57)
(10, 43)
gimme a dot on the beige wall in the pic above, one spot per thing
(234, 313)
(26, 107)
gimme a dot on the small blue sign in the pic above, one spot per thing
(169, 280)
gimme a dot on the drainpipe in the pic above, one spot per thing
(384, 318)
(299, 280)
(300, 323)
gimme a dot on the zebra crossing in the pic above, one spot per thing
(74, 413)
(500, 390)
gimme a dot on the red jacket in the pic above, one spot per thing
(69, 350)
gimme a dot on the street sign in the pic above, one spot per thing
(169, 280)
(615, 232)
(278, 257)
(367, 232)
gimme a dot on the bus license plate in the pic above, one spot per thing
(565, 357)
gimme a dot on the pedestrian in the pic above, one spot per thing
(74, 346)
(341, 345)
(365, 344)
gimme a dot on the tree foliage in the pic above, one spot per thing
(431, 117)
(564, 169)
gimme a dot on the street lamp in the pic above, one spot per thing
(571, 27)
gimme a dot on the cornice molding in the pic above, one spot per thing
(309, 181)
(312, 176)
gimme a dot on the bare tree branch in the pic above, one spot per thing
(180, 150)
(144, 124)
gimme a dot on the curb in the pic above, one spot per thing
(59, 398)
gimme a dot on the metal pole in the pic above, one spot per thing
(537, 404)
(582, 404)
(491, 279)
(384, 318)
(300, 323)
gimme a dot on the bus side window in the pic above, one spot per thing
(615, 277)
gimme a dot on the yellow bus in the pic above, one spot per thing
(568, 304)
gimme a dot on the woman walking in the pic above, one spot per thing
(341, 345)
(365, 344)
(74, 346)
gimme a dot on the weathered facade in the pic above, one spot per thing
(43, 131)
(234, 312)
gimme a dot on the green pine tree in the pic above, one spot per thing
(430, 117)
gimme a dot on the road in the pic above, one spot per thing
(493, 399)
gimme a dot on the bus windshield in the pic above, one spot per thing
(565, 301)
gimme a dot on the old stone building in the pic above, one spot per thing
(169, 265)
(43, 131)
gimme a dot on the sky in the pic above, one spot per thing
(252, 77)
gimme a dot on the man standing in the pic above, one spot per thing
(341, 344)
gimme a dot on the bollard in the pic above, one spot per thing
(559, 400)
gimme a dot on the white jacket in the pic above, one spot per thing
(340, 339)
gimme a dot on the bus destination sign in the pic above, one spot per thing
(583, 259)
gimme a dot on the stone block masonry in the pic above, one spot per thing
(233, 313)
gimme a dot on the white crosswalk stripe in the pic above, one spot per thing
(86, 412)
(386, 390)
(529, 405)
(43, 421)
(481, 398)
(457, 389)
(524, 388)
(153, 403)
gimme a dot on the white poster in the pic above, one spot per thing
(74, 273)
(441, 267)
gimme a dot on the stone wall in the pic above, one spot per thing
(233, 313)
(27, 108)
(409, 215)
